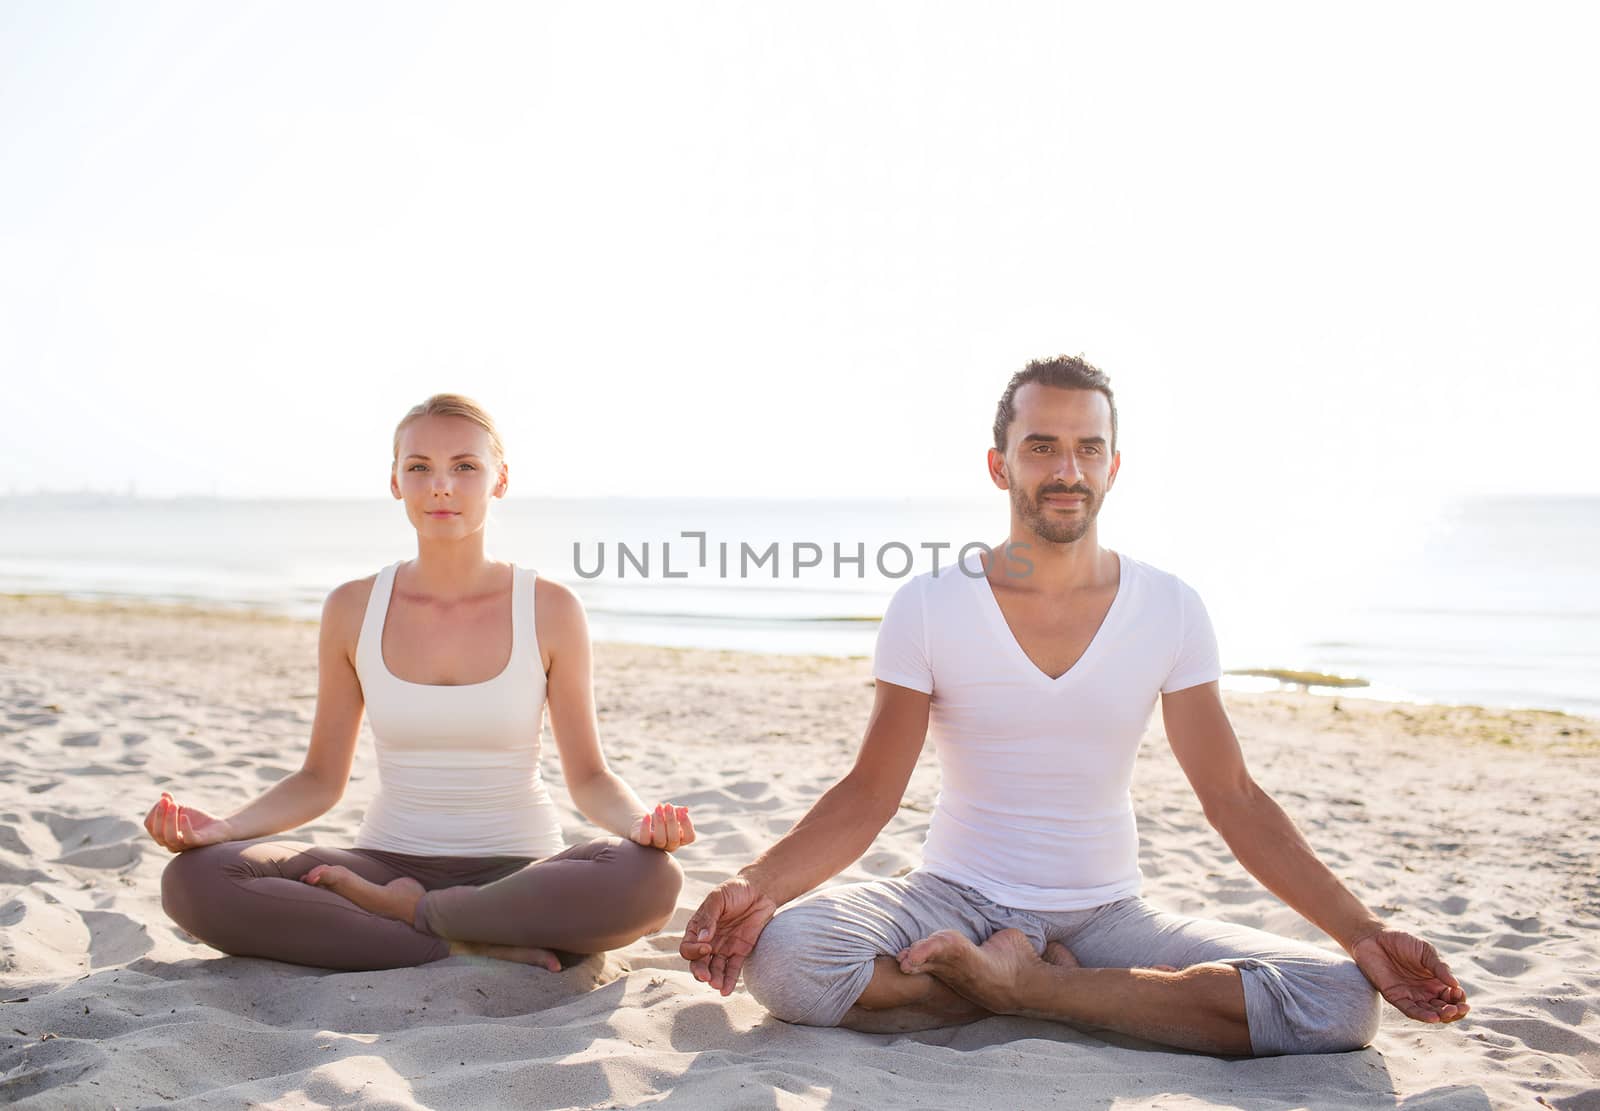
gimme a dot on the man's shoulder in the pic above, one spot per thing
(1150, 576)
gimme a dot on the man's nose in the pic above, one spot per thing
(1067, 468)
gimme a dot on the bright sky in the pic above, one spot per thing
(725, 248)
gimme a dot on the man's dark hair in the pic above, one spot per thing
(1068, 372)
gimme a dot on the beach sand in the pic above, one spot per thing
(1472, 827)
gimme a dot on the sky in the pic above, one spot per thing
(1340, 254)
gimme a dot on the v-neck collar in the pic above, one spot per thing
(1002, 629)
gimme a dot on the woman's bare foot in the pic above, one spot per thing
(539, 958)
(395, 899)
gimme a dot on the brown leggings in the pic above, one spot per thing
(246, 898)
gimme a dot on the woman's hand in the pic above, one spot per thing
(667, 827)
(176, 828)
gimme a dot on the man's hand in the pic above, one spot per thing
(667, 827)
(1410, 975)
(178, 828)
(721, 934)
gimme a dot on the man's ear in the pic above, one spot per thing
(997, 470)
(1116, 465)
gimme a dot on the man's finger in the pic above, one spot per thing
(731, 975)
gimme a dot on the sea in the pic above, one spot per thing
(1491, 602)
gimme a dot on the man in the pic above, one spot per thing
(1038, 667)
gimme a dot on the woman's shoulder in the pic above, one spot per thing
(348, 600)
(555, 599)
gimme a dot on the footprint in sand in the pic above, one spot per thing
(114, 938)
(81, 740)
(1508, 965)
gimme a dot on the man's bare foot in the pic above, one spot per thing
(395, 899)
(988, 974)
(1059, 955)
(539, 958)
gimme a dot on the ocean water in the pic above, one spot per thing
(1489, 602)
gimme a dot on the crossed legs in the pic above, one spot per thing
(248, 899)
(918, 952)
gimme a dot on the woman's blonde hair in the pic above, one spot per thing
(452, 405)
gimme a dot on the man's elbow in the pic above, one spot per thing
(1229, 803)
(860, 795)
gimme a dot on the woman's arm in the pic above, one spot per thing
(321, 780)
(596, 790)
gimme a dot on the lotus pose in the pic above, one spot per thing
(1036, 668)
(454, 656)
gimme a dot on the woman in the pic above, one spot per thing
(454, 657)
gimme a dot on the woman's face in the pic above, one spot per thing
(446, 474)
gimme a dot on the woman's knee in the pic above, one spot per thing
(194, 886)
(645, 882)
(658, 879)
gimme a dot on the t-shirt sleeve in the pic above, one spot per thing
(901, 655)
(1196, 660)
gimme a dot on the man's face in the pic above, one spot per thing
(1058, 463)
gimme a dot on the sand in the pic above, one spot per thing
(1472, 827)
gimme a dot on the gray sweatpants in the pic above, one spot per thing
(816, 956)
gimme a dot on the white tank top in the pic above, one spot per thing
(458, 766)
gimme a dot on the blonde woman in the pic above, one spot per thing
(454, 657)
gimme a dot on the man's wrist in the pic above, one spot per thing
(757, 877)
(1368, 927)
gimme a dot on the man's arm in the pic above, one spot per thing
(1406, 969)
(834, 833)
(1260, 834)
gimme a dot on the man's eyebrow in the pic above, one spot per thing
(1047, 438)
(453, 458)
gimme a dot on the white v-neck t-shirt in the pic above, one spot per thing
(1034, 809)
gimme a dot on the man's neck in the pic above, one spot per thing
(1056, 568)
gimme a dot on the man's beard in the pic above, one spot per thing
(1054, 529)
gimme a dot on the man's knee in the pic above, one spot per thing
(790, 972)
(1357, 1010)
(1317, 1007)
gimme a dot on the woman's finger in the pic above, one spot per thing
(660, 824)
(685, 824)
(169, 823)
(674, 833)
